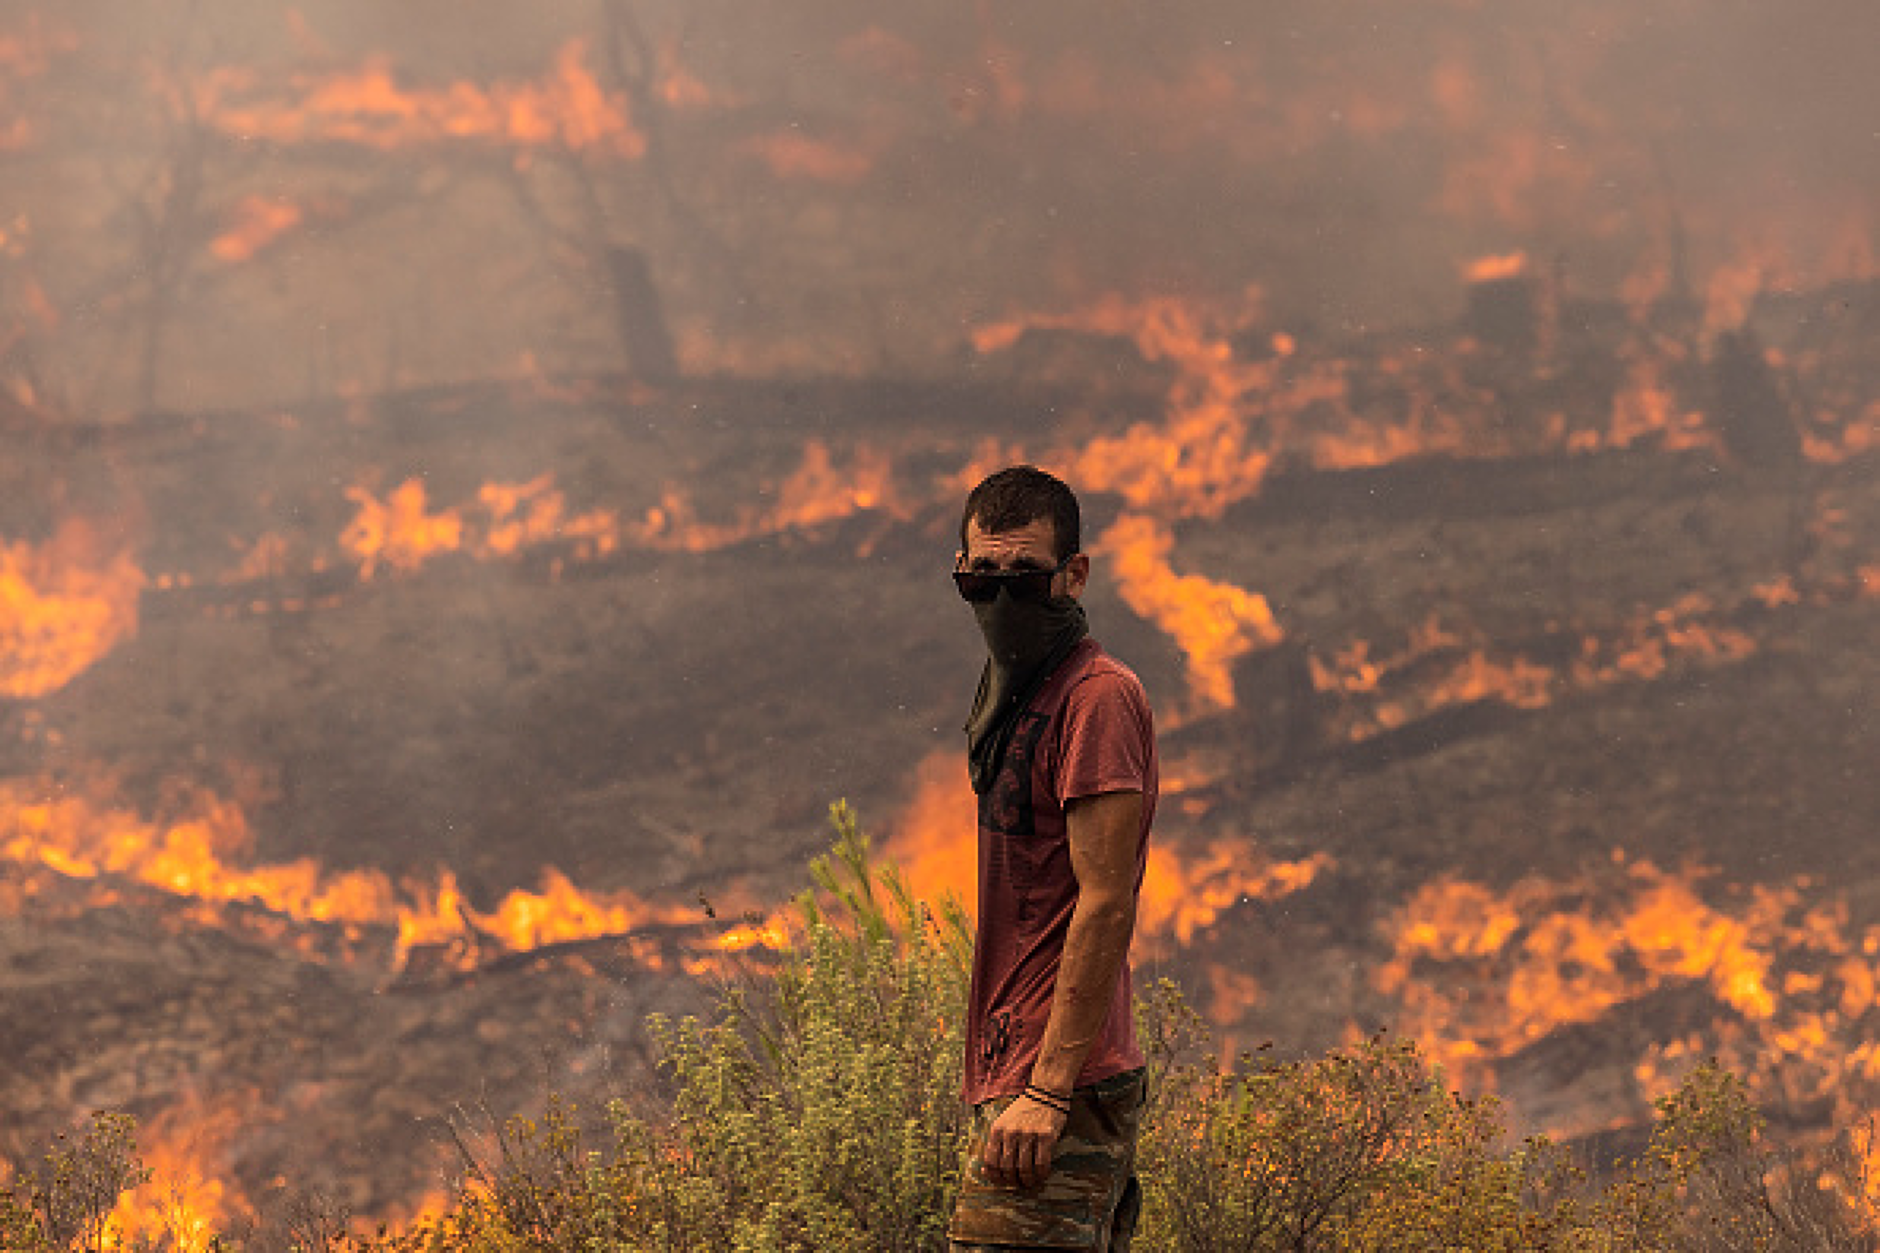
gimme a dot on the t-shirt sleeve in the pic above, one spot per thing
(1107, 737)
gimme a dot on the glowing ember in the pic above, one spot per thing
(1777, 592)
(61, 609)
(1865, 1146)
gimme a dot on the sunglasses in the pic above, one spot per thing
(1024, 586)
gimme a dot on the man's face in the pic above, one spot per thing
(1029, 547)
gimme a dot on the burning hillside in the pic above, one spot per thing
(1500, 747)
(433, 619)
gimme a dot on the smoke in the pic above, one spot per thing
(837, 187)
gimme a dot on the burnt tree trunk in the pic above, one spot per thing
(639, 318)
(1753, 416)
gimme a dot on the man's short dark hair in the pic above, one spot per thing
(1019, 495)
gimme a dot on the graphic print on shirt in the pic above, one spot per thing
(1006, 820)
(1005, 809)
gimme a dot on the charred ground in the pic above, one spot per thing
(1610, 695)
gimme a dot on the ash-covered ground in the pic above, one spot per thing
(1571, 752)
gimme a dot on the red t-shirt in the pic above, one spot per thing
(1088, 731)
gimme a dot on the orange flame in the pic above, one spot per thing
(1213, 623)
(1542, 955)
(1650, 643)
(771, 933)
(184, 1203)
(61, 609)
(442, 918)
(1227, 420)
(818, 491)
(27, 52)
(192, 857)
(792, 154)
(400, 533)
(186, 857)
(397, 531)
(526, 514)
(1644, 408)
(561, 912)
(254, 222)
(1181, 897)
(1648, 646)
(934, 844)
(1493, 269)
(933, 838)
(1864, 1145)
(1733, 288)
(1233, 994)
(1204, 456)
(266, 558)
(568, 110)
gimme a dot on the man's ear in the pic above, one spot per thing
(1076, 574)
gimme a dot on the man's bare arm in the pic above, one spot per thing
(1104, 832)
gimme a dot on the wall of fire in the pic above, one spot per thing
(1477, 406)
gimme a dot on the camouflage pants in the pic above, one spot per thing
(1089, 1200)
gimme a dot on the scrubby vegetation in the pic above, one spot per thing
(817, 1110)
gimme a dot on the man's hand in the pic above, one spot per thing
(1020, 1144)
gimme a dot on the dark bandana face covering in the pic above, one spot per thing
(1026, 641)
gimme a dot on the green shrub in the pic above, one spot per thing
(1707, 1183)
(1362, 1149)
(64, 1203)
(818, 1108)
(822, 1111)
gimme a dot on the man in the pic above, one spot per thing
(1062, 753)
